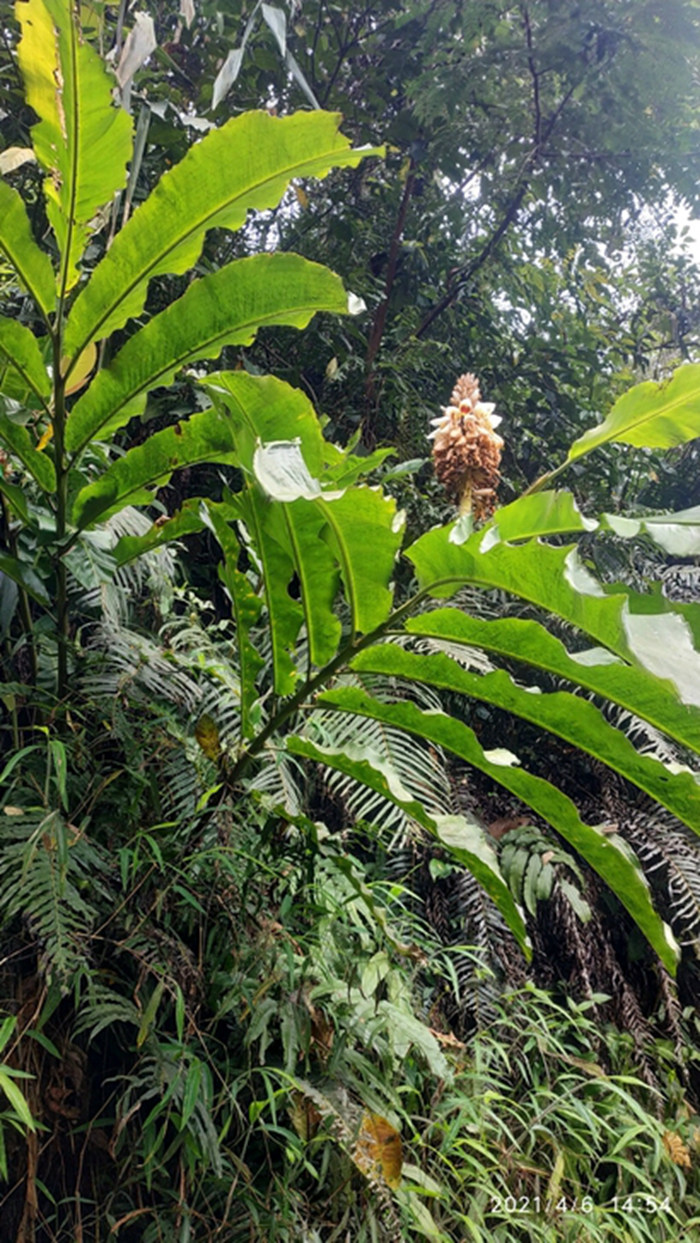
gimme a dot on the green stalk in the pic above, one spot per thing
(315, 683)
(59, 428)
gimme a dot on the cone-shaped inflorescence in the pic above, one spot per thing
(467, 451)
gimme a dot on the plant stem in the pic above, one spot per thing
(311, 685)
(59, 426)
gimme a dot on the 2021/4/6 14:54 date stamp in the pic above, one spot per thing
(507, 1205)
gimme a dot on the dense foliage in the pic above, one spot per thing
(330, 909)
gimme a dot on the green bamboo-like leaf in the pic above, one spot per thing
(609, 857)
(22, 368)
(247, 607)
(20, 442)
(657, 416)
(554, 578)
(23, 574)
(562, 713)
(247, 164)
(595, 670)
(81, 139)
(226, 308)
(132, 479)
(17, 244)
(466, 841)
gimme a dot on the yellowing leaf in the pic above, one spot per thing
(46, 438)
(207, 734)
(302, 197)
(81, 371)
(378, 1151)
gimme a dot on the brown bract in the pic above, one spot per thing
(467, 451)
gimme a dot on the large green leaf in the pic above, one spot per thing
(543, 513)
(226, 308)
(188, 519)
(23, 574)
(555, 579)
(17, 244)
(81, 139)
(466, 841)
(132, 479)
(264, 409)
(247, 164)
(357, 519)
(19, 440)
(562, 713)
(677, 533)
(247, 607)
(595, 670)
(22, 368)
(608, 855)
(657, 416)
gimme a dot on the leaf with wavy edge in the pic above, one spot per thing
(656, 416)
(226, 308)
(466, 841)
(185, 521)
(543, 513)
(245, 165)
(677, 533)
(17, 244)
(610, 857)
(562, 713)
(19, 440)
(21, 364)
(81, 139)
(132, 479)
(629, 624)
(515, 638)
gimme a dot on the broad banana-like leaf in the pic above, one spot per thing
(247, 607)
(608, 855)
(81, 139)
(544, 513)
(570, 717)
(132, 479)
(226, 308)
(359, 519)
(32, 265)
(264, 409)
(554, 578)
(657, 416)
(595, 670)
(466, 841)
(19, 440)
(22, 369)
(247, 164)
(678, 534)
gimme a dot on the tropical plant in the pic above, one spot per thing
(318, 633)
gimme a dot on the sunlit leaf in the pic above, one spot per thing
(81, 140)
(247, 164)
(657, 416)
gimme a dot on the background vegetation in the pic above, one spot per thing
(330, 910)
